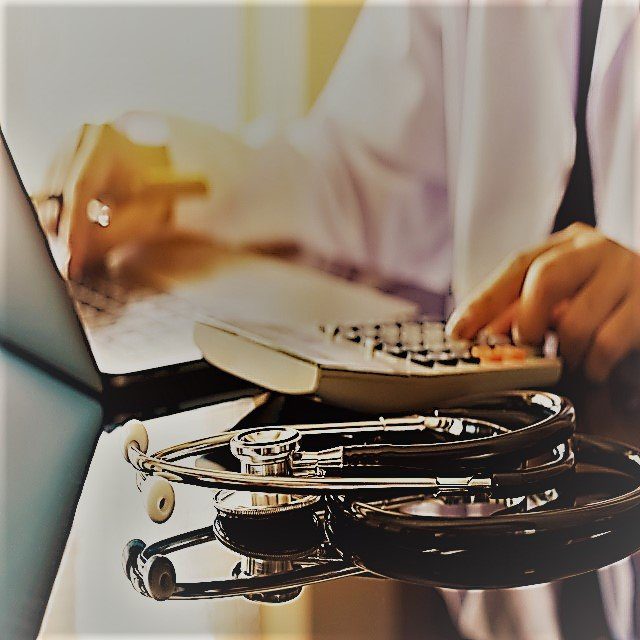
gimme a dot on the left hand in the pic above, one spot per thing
(580, 283)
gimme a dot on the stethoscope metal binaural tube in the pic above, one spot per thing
(271, 461)
(221, 479)
(152, 573)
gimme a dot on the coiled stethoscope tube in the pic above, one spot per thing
(559, 538)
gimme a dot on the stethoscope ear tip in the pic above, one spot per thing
(159, 577)
(135, 435)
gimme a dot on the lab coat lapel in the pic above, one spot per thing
(517, 135)
(613, 119)
(616, 18)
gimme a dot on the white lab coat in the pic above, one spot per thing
(445, 130)
(441, 144)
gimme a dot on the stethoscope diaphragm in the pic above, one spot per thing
(287, 524)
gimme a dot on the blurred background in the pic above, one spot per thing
(228, 64)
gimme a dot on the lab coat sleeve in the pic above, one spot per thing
(361, 180)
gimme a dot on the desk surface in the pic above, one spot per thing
(92, 595)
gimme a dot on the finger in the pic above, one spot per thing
(554, 276)
(59, 168)
(48, 210)
(502, 287)
(83, 184)
(593, 304)
(619, 335)
(503, 322)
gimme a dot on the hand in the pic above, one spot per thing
(101, 164)
(580, 283)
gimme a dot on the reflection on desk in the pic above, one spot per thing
(91, 594)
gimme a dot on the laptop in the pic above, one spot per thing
(40, 323)
(141, 352)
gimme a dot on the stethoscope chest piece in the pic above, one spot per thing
(266, 451)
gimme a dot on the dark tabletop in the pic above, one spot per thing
(92, 594)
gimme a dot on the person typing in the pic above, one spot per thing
(416, 187)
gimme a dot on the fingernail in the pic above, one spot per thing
(455, 327)
(49, 212)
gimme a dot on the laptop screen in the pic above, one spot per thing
(36, 313)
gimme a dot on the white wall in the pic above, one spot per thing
(74, 63)
(275, 60)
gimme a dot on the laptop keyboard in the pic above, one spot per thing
(133, 323)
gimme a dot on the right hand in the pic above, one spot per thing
(101, 163)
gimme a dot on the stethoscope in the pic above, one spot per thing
(418, 537)
(523, 447)
(495, 492)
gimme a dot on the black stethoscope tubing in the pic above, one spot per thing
(507, 448)
(509, 548)
(591, 450)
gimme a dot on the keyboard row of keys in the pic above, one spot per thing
(424, 342)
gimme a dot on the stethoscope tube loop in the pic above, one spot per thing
(590, 450)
